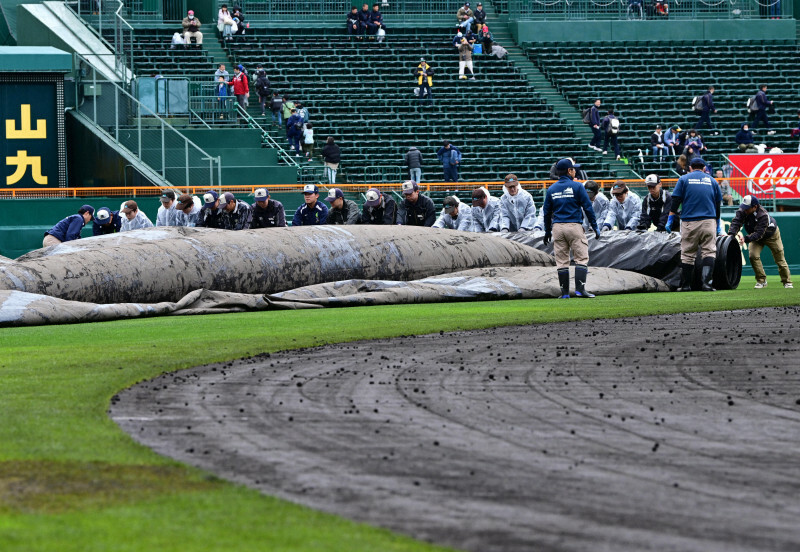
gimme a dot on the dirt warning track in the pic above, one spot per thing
(658, 433)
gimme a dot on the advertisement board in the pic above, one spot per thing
(765, 175)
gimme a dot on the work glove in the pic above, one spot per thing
(596, 234)
(547, 237)
(670, 222)
(719, 227)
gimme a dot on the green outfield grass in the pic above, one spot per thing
(71, 480)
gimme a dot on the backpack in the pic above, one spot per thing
(614, 126)
(752, 106)
(587, 115)
(697, 104)
(263, 85)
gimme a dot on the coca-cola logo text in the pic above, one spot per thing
(768, 174)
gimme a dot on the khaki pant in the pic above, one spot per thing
(569, 236)
(698, 234)
(776, 246)
(50, 240)
(197, 35)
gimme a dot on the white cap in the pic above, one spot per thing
(373, 198)
(261, 194)
(652, 180)
(409, 187)
(102, 216)
(310, 189)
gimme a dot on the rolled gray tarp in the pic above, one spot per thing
(18, 308)
(167, 263)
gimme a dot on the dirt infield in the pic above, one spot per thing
(658, 433)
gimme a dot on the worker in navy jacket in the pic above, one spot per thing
(565, 203)
(375, 20)
(763, 103)
(105, 222)
(701, 197)
(415, 209)
(594, 123)
(312, 211)
(364, 17)
(68, 229)
(706, 107)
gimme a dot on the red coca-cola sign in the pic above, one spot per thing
(765, 176)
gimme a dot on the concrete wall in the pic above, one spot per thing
(651, 31)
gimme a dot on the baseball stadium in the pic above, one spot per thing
(405, 275)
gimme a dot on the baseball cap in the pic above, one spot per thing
(749, 201)
(450, 203)
(226, 198)
(511, 180)
(190, 12)
(261, 194)
(652, 180)
(697, 162)
(240, 67)
(591, 186)
(373, 197)
(129, 206)
(103, 216)
(167, 196)
(409, 187)
(185, 201)
(310, 189)
(619, 188)
(210, 198)
(86, 209)
(478, 194)
(567, 163)
(334, 194)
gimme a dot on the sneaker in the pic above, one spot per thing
(564, 297)
(770, 132)
(473, 78)
(716, 133)
(604, 152)
(463, 77)
(617, 157)
(761, 285)
(584, 295)
(788, 285)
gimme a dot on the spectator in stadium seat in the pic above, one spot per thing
(134, 218)
(364, 18)
(672, 139)
(294, 131)
(694, 145)
(167, 215)
(342, 210)
(457, 39)
(681, 165)
(191, 28)
(308, 141)
(236, 213)
(262, 89)
(594, 123)
(353, 26)
(724, 187)
(106, 221)
(415, 209)
(635, 9)
(238, 18)
(378, 208)
(241, 88)
(424, 75)
(331, 156)
(479, 18)
(656, 206)
(414, 164)
(660, 149)
(517, 208)
(465, 60)
(744, 138)
(455, 215)
(188, 208)
(661, 9)
(225, 22)
(485, 211)
(222, 97)
(763, 103)
(485, 38)
(267, 213)
(276, 106)
(286, 108)
(69, 228)
(375, 20)
(706, 107)
(210, 214)
(610, 126)
(762, 230)
(450, 156)
(302, 111)
(221, 72)
(313, 211)
(599, 204)
(465, 16)
(624, 211)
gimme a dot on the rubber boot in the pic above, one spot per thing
(563, 280)
(687, 276)
(708, 274)
(580, 282)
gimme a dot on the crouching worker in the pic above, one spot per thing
(105, 222)
(69, 229)
(134, 218)
(455, 215)
(761, 230)
(565, 203)
(701, 198)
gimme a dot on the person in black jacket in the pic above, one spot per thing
(660, 149)
(414, 164)
(761, 230)
(332, 156)
(262, 88)
(594, 124)
(364, 19)
(353, 27)
(656, 206)
(416, 209)
(210, 214)
(378, 208)
(342, 211)
(267, 213)
(276, 106)
(479, 18)
(706, 107)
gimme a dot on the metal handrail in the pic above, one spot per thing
(288, 159)
(123, 66)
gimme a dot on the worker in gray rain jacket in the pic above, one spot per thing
(517, 208)
(599, 204)
(455, 215)
(485, 211)
(624, 210)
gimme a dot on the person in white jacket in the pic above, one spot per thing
(624, 210)
(599, 204)
(485, 211)
(455, 215)
(134, 219)
(517, 208)
(167, 215)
